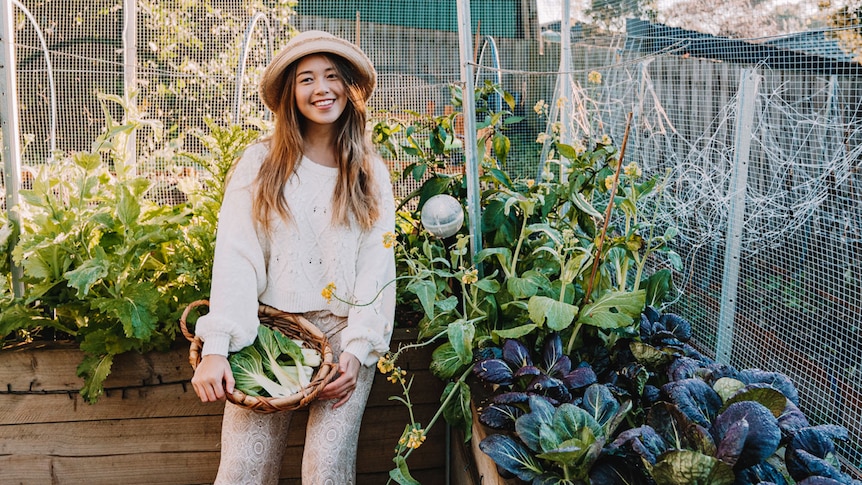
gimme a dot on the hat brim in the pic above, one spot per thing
(314, 42)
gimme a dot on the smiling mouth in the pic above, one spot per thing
(324, 103)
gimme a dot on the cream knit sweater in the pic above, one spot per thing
(290, 270)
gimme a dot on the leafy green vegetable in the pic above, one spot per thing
(274, 365)
(248, 371)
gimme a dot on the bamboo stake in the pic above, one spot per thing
(610, 207)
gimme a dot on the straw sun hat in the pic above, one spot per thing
(313, 42)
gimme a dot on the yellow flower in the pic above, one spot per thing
(540, 107)
(580, 149)
(606, 140)
(389, 239)
(594, 77)
(530, 182)
(397, 376)
(633, 171)
(470, 276)
(542, 138)
(609, 182)
(384, 365)
(413, 439)
(328, 291)
(561, 101)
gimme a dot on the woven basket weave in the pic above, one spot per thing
(295, 327)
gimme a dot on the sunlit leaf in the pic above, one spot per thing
(401, 472)
(685, 467)
(614, 309)
(460, 334)
(515, 332)
(445, 362)
(558, 315)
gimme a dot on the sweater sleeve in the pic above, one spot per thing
(239, 266)
(370, 319)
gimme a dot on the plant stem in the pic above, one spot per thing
(572, 338)
(641, 262)
(441, 408)
(416, 345)
(518, 246)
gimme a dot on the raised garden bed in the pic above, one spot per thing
(149, 426)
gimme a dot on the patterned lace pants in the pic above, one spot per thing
(252, 444)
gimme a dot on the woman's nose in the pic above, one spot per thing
(322, 86)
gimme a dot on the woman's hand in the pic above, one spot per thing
(212, 377)
(343, 386)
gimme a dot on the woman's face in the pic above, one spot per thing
(321, 95)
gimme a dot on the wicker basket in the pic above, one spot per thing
(294, 326)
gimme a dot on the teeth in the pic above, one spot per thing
(323, 103)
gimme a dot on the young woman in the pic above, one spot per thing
(306, 208)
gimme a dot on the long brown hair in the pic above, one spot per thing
(355, 190)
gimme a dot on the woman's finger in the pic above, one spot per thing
(343, 400)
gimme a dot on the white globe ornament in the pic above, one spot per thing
(442, 215)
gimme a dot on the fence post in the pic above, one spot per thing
(130, 74)
(10, 125)
(471, 164)
(748, 85)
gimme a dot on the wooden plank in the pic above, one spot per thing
(168, 400)
(129, 447)
(379, 435)
(113, 437)
(54, 368)
(143, 469)
(462, 466)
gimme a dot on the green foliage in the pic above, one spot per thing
(103, 264)
(549, 263)
(6, 240)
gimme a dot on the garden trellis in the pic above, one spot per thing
(759, 139)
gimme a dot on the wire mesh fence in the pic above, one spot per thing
(759, 140)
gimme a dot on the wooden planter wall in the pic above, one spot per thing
(149, 427)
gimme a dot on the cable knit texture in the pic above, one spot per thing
(290, 269)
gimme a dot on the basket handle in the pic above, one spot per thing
(190, 336)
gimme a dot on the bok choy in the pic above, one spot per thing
(274, 365)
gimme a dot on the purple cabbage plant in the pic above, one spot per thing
(648, 409)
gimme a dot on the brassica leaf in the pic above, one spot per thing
(248, 372)
(272, 345)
